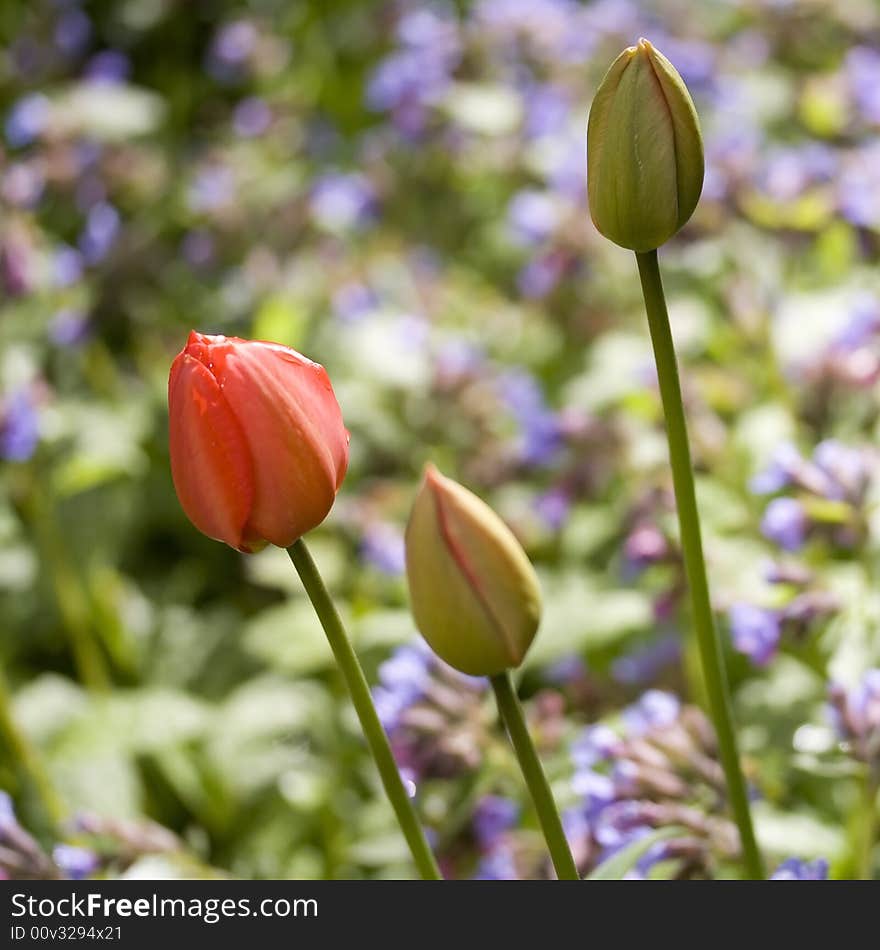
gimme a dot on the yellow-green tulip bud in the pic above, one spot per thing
(644, 151)
(474, 594)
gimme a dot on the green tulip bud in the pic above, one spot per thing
(474, 594)
(644, 151)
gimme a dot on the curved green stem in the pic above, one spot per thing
(512, 716)
(366, 711)
(685, 497)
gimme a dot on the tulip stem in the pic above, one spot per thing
(708, 641)
(362, 700)
(539, 788)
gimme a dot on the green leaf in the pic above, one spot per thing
(616, 867)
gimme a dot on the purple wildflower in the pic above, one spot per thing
(382, 546)
(110, 66)
(540, 438)
(198, 247)
(252, 117)
(27, 119)
(532, 216)
(72, 31)
(342, 201)
(353, 301)
(212, 188)
(654, 709)
(855, 714)
(76, 863)
(553, 507)
(862, 72)
(755, 631)
(645, 664)
(499, 865)
(100, 232)
(23, 184)
(794, 869)
(780, 473)
(785, 523)
(19, 426)
(67, 266)
(541, 275)
(69, 327)
(493, 815)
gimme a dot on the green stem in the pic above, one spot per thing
(688, 518)
(512, 716)
(366, 711)
(44, 810)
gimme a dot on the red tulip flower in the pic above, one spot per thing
(258, 448)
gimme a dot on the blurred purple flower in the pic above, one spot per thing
(416, 76)
(109, 66)
(22, 184)
(566, 671)
(16, 265)
(499, 865)
(90, 190)
(540, 276)
(19, 426)
(788, 172)
(858, 186)
(755, 631)
(212, 188)
(862, 326)
(846, 468)
(548, 110)
(69, 327)
(645, 545)
(76, 863)
(855, 715)
(532, 216)
(794, 869)
(402, 679)
(553, 507)
(252, 117)
(654, 709)
(426, 31)
(67, 266)
(456, 359)
(100, 232)
(597, 743)
(493, 815)
(785, 523)
(72, 31)
(564, 170)
(7, 812)
(231, 49)
(382, 546)
(27, 119)
(540, 439)
(352, 301)
(646, 663)
(862, 72)
(342, 201)
(198, 247)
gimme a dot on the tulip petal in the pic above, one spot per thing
(292, 423)
(210, 463)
